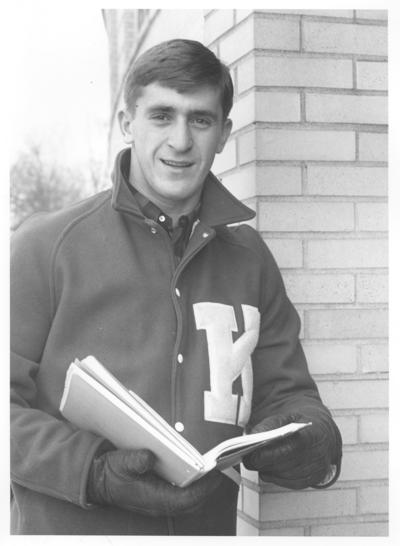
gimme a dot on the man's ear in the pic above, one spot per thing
(226, 131)
(125, 123)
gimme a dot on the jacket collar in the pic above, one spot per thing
(218, 206)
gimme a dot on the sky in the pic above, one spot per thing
(60, 82)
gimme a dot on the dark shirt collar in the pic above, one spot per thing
(153, 212)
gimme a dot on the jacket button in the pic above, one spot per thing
(205, 234)
(179, 358)
(180, 427)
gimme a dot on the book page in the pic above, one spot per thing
(100, 373)
(151, 414)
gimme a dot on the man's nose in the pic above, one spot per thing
(180, 136)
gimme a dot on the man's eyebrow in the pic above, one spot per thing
(160, 108)
(170, 109)
(204, 113)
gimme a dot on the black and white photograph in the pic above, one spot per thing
(199, 273)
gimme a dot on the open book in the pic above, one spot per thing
(96, 401)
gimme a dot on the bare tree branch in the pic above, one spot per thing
(37, 185)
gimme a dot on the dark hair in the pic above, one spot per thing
(182, 65)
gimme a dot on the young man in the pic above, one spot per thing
(189, 313)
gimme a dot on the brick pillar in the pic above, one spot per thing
(309, 152)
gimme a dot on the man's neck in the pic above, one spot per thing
(174, 209)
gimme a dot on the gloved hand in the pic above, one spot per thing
(301, 460)
(124, 478)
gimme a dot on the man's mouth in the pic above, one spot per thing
(177, 164)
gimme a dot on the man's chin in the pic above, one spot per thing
(176, 183)
(179, 190)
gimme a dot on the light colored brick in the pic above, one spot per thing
(242, 182)
(308, 504)
(276, 180)
(246, 74)
(372, 288)
(372, 75)
(334, 108)
(373, 147)
(315, 288)
(348, 428)
(238, 42)
(346, 253)
(323, 358)
(344, 180)
(256, 33)
(287, 252)
(225, 160)
(248, 147)
(372, 216)
(303, 72)
(275, 107)
(359, 529)
(283, 34)
(251, 503)
(374, 358)
(345, 38)
(364, 465)
(354, 394)
(243, 111)
(381, 14)
(281, 144)
(218, 22)
(374, 428)
(244, 528)
(275, 216)
(374, 499)
(347, 323)
(252, 180)
(272, 107)
(283, 531)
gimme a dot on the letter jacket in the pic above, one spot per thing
(211, 343)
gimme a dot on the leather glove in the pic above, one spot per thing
(124, 478)
(308, 458)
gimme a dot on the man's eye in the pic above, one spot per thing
(201, 122)
(160, 117)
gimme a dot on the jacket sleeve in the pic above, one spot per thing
(47, 454)
(282, 382)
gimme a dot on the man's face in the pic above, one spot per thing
(174, 138)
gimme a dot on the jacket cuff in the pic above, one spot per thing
(330, 478)
(100, 447)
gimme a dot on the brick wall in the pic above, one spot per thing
(309, 152)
